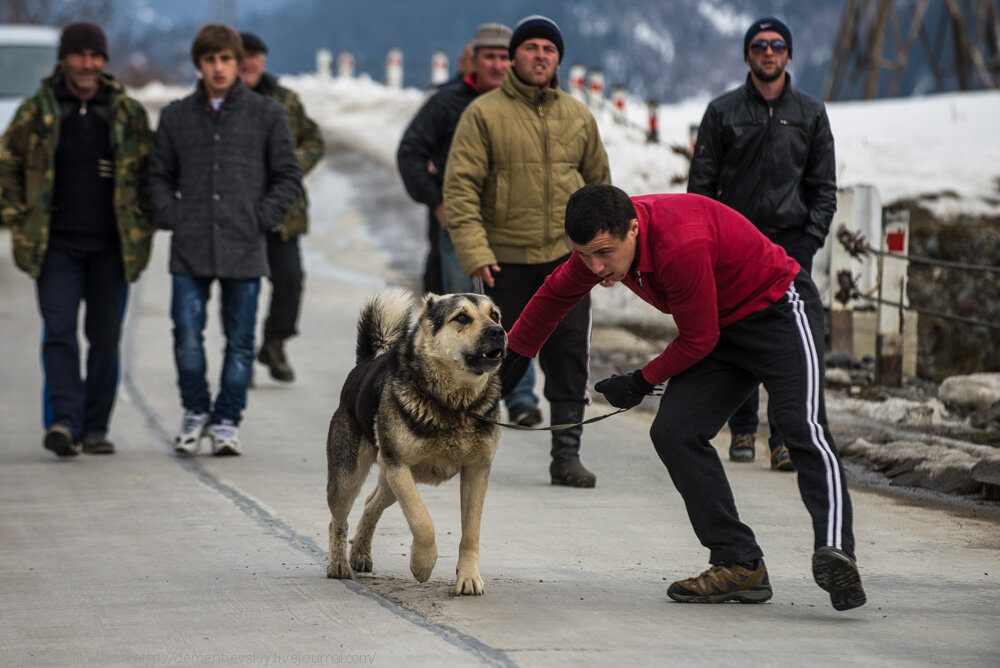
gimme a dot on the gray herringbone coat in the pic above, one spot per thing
(220, 183)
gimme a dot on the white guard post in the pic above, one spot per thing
(345, 65)
(595, 90)
(577, 76)
(323, 61)
(394, 69)
(618, 104)
(439, 68)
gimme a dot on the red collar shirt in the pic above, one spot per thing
(696, 259)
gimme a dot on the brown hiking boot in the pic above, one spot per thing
(743, 448)
(838, 574)
(272, 355)
(781, 460)
(722, 583)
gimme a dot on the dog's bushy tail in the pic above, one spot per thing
(385, 319)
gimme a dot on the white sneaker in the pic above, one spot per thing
(225, 439)
(188, 440)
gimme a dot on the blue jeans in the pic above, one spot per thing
(239, 316)
(523, 393)
(97, 279)
(453, 277)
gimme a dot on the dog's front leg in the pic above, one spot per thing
(423, 551)
(474, 482)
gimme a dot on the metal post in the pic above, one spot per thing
(889, 340)
(653, 135)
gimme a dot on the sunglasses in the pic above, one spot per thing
(778, 46)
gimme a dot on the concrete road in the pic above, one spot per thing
(142, 558)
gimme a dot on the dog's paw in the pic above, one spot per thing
(339, 570)
(470, 585)
(361, 563)
(422, 560)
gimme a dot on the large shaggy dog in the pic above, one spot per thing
(422, 375)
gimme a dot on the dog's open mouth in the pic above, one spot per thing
(487, 361)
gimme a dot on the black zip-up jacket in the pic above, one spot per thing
(428, 138)
(772, 162)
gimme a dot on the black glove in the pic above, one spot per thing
(625, 390)
(511, 371)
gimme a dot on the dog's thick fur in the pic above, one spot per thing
(422, 374)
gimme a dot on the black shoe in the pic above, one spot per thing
(526, 415)
(746, 583)
(838, 574)
(96, 443)
(743, 447)
(781, 460)
(59, 440)
(272, 355)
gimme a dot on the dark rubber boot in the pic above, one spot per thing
(566, 468)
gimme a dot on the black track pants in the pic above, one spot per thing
(781, 346)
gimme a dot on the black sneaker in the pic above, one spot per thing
(720, 583)
(59, 439)
(743, 447)
(526, 415)
(838, 574)
(96, 443)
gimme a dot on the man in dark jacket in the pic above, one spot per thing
(745, 313)
(766, 150)
(73, 189)
(283, 253)
(423, 150)
(223, 174)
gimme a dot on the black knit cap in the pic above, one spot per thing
(82, 35)
(535, 26)
(252, 42)
(766, 24)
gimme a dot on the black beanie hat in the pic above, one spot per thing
(82, 35)
(767, 24)
(535, 26)
(253, 43)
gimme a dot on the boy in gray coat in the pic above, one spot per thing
(223, 172)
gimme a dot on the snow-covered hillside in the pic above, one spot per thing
(944, 144)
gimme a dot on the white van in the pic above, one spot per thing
(27, 55)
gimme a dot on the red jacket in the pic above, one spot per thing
(696, 259)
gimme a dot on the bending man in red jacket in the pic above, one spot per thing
(746, 313)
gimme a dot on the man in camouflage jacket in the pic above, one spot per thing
(283, 252)
(73, 190)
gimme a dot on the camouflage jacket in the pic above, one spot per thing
(27, 174)
(308, 146)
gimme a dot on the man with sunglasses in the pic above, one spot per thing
(766, 150)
